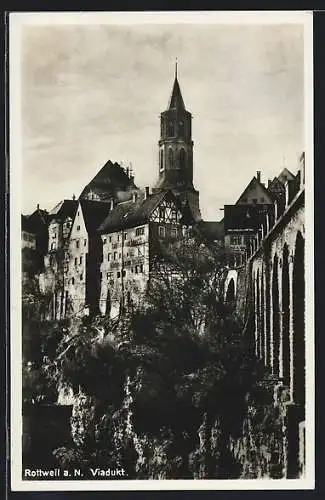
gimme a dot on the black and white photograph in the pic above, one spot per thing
(161, 256)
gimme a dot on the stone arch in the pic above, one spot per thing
(285, 316)
(275, 316)
(262, 309)
(258, 317)
(299, 346)
(182, 157)
(171, 158)
(230, 294)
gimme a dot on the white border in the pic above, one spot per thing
(16, 21)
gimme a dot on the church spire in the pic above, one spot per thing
(176, 100)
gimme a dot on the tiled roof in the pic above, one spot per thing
(133, 213)
(107, 183)
(64, 209)
(94, 213)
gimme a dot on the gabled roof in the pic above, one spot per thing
(133, 213)
(176, 99)
(108, 182)
(64, 209)
(251, 185)
(94, 212)
(286, 175)
(26, 224)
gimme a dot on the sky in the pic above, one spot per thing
(93, 93)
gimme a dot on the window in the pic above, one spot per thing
(109, 275)
(110, 239)
(115, 255)
(181, 128)
(182, 159)
(124, 272)
(254, 200)
(174, 216)
(81, 277)
(161, 231)
(77, 243)
(85, 243)
(136, 270)
(118, 237)
(78, 228)
(54, 236)
(75, 261)
(262, 199)
(104, 240)
(78, 213)
(141, 268)
(173, 232)
(161, 127)
(109, 256)
(161, 160)
(235, 240)
(139, 231)
(119, 255)
(171, 158)
(80, 260)
(171, 129)
(51, 260)
(125, 236)
(72, 281)
(118, 274)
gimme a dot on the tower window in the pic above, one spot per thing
(161, 160)
(171, 129)
(182, 159)
(181, 128)
(171, 158)
(161, 127)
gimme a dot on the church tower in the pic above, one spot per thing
(176, 151)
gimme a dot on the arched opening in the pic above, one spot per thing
(258, 318)
(171, 158)
(181, 128)
(161, 160)
(299, 322)
(262, 333)
(275, 317)
(182, 159)
(230, 295)
(108, 302)
(267, 319)
(285, 317)
(171, 129)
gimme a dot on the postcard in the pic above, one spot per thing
(161, 250)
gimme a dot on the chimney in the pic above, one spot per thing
(134, 196)
(269, 183)
(73, 196)
(37, 206)
(258, 175)
(111, 204)
(146, 192)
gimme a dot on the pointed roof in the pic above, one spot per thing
(176, 99)
(108, 182)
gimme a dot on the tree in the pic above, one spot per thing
(170, 380)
